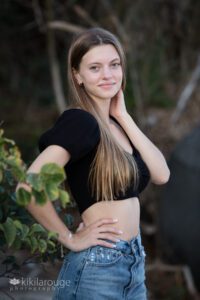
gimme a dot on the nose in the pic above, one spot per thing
(107, 72)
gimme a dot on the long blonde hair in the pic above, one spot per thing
(112, 169)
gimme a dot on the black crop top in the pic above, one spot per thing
(78, 132)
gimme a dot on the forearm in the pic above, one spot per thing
(152, 156)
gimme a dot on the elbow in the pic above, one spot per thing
(165, 179)
(162, 178)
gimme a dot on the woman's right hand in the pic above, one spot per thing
(92, 234)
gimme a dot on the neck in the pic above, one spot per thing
(104, 108)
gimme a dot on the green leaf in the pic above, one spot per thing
(52, 235)
(35, 181)
(9, 141)
(17, 243)
(10, 231)
(37, 228)
(53, 173)
(51, 169)
(25, 231)
(64, 198)
(52, 191)
(18, 224)
(33, 244)
(1, 132)
(42, 245)
(40, 197)
(51, 246)
(23, 197)
(16, 153)
(18, 173)
(27, 240)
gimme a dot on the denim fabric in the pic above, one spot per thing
(102, 273)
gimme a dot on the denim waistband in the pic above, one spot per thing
(132, 246)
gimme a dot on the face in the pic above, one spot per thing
(100, 72)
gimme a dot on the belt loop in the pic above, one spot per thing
(134, 246)
(138, 242)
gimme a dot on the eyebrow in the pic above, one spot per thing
(98, 63)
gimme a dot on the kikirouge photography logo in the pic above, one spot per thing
(35, 284)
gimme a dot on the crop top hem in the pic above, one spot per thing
(85, 209)
(78, 132)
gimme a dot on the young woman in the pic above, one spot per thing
(109, 162)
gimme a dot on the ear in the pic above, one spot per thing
(77, 76)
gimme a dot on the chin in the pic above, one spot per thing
(104, 95)
(108, 94)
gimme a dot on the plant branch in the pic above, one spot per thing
(187, 93)
(64, 26)
(54, 64)
(84, 15)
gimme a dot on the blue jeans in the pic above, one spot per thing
(102, 273)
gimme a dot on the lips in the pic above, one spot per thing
(106, 84)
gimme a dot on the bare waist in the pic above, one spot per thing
(127, 212)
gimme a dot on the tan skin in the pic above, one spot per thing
(101, 73)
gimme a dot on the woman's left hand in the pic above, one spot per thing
(117, 105)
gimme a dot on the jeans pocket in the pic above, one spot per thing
(103, 256)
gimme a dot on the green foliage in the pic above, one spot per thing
(10, 158)
(44, 185)
(34, 237)
(18, 230)
(23, 197)
(9, 230)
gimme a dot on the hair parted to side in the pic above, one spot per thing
(112, 168)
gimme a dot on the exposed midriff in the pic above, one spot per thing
(127, 211)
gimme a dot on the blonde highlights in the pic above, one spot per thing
(113, 169)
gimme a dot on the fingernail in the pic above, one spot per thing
(120, 231)
(115, 220)
(114, 245)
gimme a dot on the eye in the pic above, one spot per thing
(115, 65)
(94, 68)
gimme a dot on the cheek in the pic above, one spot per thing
(120, 75)
(90, 79)
(119, 79)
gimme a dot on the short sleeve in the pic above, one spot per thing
(76, 130)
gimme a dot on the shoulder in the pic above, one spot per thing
(77, 115)
(77, 121)
(75, 130)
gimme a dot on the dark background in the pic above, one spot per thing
(161, 40)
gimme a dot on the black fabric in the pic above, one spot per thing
(75, 130)
(78, 132)
(143, 170)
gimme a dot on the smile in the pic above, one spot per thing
(106, 85)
